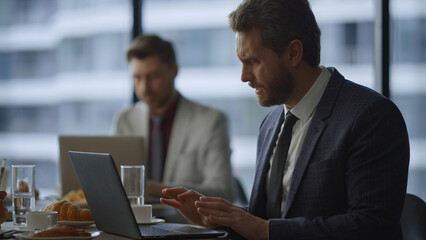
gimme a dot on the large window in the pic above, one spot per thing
(408, 82)
(347, 37)
(62, 71)
(210, 70)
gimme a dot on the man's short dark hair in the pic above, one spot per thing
(280, 22)
(147, 45)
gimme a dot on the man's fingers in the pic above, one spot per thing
(189, 194)
(220, 206)
(171, 202)
(173, 192)
(216, 199)
(169, 195)
(209, 212)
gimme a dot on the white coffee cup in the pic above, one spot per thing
(41, 220)
(143, 213)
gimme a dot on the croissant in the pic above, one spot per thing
(60, 231)
(68, 211)
(75, 196)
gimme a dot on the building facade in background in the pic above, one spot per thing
(62, 71)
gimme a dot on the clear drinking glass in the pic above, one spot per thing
(133, 179)
(23, 193)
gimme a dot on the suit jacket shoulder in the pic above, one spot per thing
(199, 150)
(350, 177)
(132, 121)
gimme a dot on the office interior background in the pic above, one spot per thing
(63, 71)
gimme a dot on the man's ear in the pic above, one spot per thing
(295, 52)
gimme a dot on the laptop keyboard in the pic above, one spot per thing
(170, 230)
(149, 230)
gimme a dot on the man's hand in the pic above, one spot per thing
(220, 211)
(184, 201)
(212, 211)
(154, 188)
(3, 209)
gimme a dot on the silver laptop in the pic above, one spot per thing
(125, 150)
(110, 207)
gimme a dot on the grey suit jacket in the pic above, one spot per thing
(350, 177)
(198, 156)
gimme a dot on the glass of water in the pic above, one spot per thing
(23, 193)
(133, 179)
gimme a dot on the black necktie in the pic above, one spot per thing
(273, 207)
(156, 167)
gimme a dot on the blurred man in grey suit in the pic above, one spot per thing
(332, 157)
(187, 143)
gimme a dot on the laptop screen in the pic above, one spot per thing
(104, 193)
(125, 151)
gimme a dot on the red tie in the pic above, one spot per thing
(157, 158)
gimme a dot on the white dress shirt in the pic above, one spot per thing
(304, 111)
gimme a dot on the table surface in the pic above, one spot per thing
(158, 210)
(103, 236)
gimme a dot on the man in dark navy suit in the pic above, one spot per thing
(338, 169)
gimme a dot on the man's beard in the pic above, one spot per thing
(278, 91)
(162, 100)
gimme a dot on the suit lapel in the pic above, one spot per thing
(140, 115)
(267, 139)
(317, 127)
(178, 137)
(311, 139)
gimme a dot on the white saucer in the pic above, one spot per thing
(24, 236)
(23, 229)
(66, 223)
(76, 223)
(153, 221)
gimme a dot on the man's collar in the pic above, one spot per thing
(306, 106)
